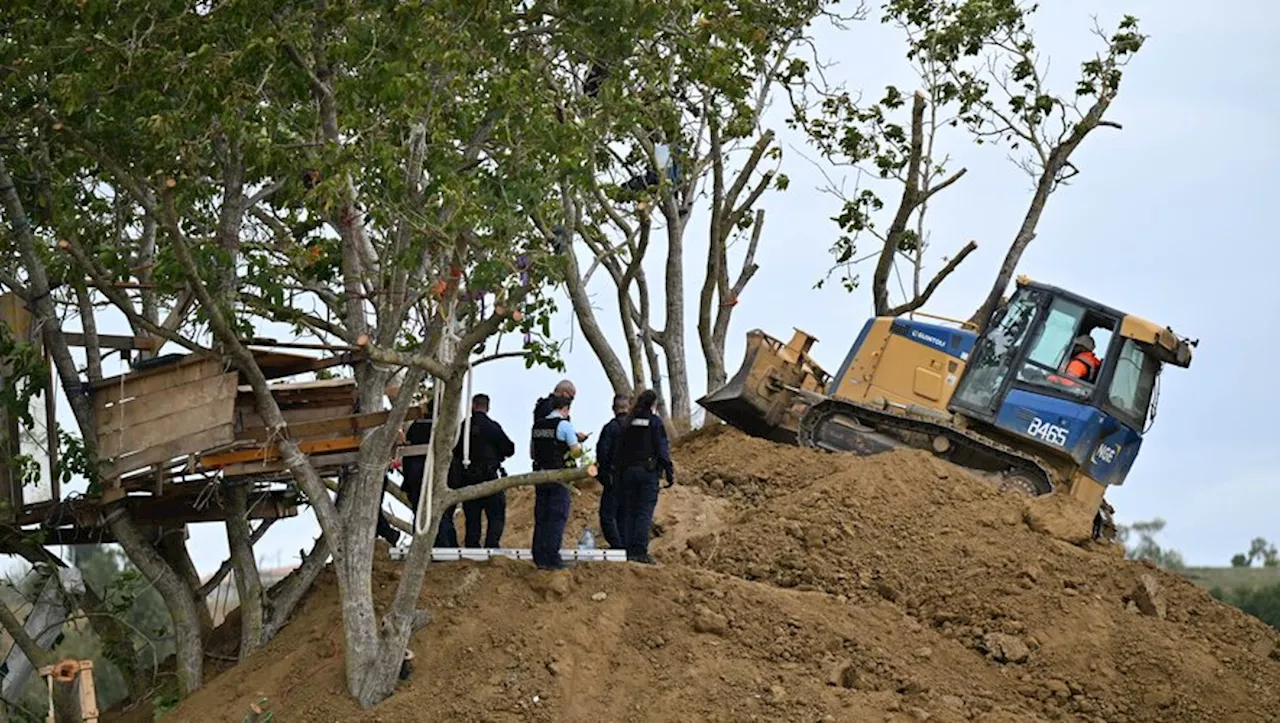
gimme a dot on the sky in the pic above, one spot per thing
(1169, 219)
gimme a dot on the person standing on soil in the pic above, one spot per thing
(490, 445)
(413, 470)
(542, 407)
(564, 388)
(643, 452)
(611, 509)
(555, 445)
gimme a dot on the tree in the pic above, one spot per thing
(688, 100)
(365, 172)
(1259, 549)
(865, 137)
(980, 68)
(1147, 548)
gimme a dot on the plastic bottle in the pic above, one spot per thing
(586, 541)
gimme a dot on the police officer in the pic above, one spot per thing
(542, 407)
(490, 445)
(414, 469)
(611, 510)
(643, 451)
(555, 445)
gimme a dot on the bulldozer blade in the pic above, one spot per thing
(757, 400)
(744, 409)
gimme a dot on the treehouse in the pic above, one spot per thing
(173, 428)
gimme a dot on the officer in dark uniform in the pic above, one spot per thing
(611, 510)
(414, 469)
(542, 407)
(489, 447)
(555, 444)
(643, 452)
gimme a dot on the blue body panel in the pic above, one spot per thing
(1102, 445)
(848, 359)
(953, 342)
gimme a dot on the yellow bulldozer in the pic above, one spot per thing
(1006, 403)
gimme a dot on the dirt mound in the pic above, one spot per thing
(796, 586)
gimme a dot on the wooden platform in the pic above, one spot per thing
(175, 429)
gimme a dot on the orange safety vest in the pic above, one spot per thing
(1084, 366)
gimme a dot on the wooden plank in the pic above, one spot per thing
(14, 315)
(162, 430)
(129, 414)
(150, 381)
(317, 446)
(412, 450)
(90, 527)
(249, 419)
(209, 438)
(276, 365)
(13, 312)
(305, 386)
(351, 423)
(113, 341)
(276, 469)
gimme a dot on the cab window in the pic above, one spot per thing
(1054, 341)
(1052, 349)
(1133, 383)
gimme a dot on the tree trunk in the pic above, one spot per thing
(82, 408)
(649, 344)
(178, 598)
(673, 326)
(172, 547)
(364, 647)
(586, 316)
(374, 653)
(285, 595)
(248, 582)
(1026, 234)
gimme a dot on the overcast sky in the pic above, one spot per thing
(1169, 220)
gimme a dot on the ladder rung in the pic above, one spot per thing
(446, 554)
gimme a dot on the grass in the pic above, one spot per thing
(1232, 578)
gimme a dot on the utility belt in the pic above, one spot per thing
(648, 465)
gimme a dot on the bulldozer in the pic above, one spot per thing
(1000, 403)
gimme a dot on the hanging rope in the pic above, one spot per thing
(448, 347)
(466, 422)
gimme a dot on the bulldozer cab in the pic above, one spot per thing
(1021, 380)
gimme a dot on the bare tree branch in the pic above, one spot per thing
(501, 484)
(937, 280)
(225, 568)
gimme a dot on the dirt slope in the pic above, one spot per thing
(797, 586)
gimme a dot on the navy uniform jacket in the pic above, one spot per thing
(644, 442)
(490, 445)
(607, 446)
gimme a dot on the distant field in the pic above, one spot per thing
(1230, 578)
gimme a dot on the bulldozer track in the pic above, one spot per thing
(1020, 470)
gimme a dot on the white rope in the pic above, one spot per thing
(420, 522)
(448, 341)
(466, 422)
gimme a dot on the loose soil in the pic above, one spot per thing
(795, 585)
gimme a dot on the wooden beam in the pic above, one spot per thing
(350, 423)
(275, 469)
(262, 343)
(113, 341)
(170, 509)
(315, 446)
